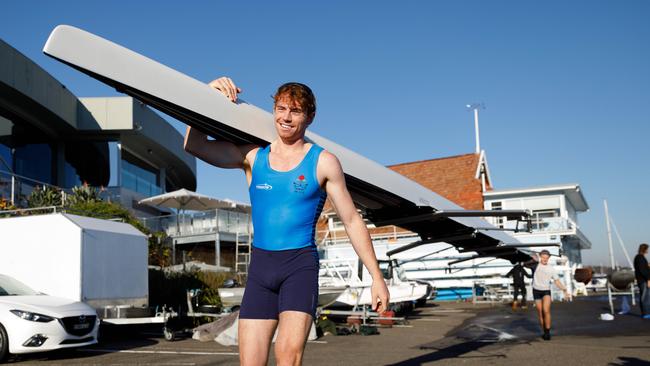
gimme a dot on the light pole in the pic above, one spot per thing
(475, 107)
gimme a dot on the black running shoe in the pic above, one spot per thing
(546, 336)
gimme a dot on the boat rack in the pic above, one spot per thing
(613, 291)
(363, 315)
(492, 293)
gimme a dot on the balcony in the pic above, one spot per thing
(15, 189)
(201, 223)
(541, 224)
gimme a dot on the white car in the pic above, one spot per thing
(33, 322)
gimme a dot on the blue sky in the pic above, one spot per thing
(566, 84)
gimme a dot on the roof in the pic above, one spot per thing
(453, 177)
(572, 191)
(31, 93)
(91, 223)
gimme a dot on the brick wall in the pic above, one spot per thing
(451, 177)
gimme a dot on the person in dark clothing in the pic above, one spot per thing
(642, 273)
(518, 272)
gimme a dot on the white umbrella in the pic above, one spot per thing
(183, 199)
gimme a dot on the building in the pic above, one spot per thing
(461, 179)
(48, 136)
(554, 216)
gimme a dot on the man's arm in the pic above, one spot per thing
(523, 269)
(354, 226)
(559, 284)
(510, 273)
(222, 154)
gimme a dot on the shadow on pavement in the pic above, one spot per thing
(452, 351)
(630, 361)
(468, 339)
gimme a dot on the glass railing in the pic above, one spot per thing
(15, 189)
(540, 224)
(204, 222)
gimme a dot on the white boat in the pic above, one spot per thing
(431, 263)
(342, 272)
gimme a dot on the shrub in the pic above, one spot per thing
(45, 196)
(83, 194)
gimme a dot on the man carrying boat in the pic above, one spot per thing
(543, 275)
(288, 182)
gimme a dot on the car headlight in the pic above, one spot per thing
(34, 317)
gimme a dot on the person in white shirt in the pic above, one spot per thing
(543, 275)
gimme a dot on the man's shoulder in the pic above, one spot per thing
(327, 159)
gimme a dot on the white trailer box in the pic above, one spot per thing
(102, 263)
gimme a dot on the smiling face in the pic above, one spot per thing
(294, 109)
(291, 121)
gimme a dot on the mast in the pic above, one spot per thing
(620, 241)
(609, 236)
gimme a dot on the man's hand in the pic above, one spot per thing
(648, 284)
(226, 86)
(567, 296)
(380, 295)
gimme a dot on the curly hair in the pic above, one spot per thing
(299, 93)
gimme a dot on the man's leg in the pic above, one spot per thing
(514, 296)
(546, 305)
(524, 302)
(255, 337)
(293, 330)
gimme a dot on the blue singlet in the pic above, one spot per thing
(286, 205)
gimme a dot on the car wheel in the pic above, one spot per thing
(4, 344)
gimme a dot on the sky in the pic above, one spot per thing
(566, 85)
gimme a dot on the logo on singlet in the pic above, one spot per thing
(300, 184)
(265, 186)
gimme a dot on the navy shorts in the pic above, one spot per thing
(539, 294)
(281, 280)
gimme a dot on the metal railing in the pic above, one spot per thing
(542, 224)
(330, 237)
(16, 189)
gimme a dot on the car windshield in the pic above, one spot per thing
(11, 287)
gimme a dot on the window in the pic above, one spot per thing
(34, 161)
(138, 176)
(6, 160)
(6, 156)
(497, 206)
(543, 218)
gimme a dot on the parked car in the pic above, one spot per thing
(34, 322)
